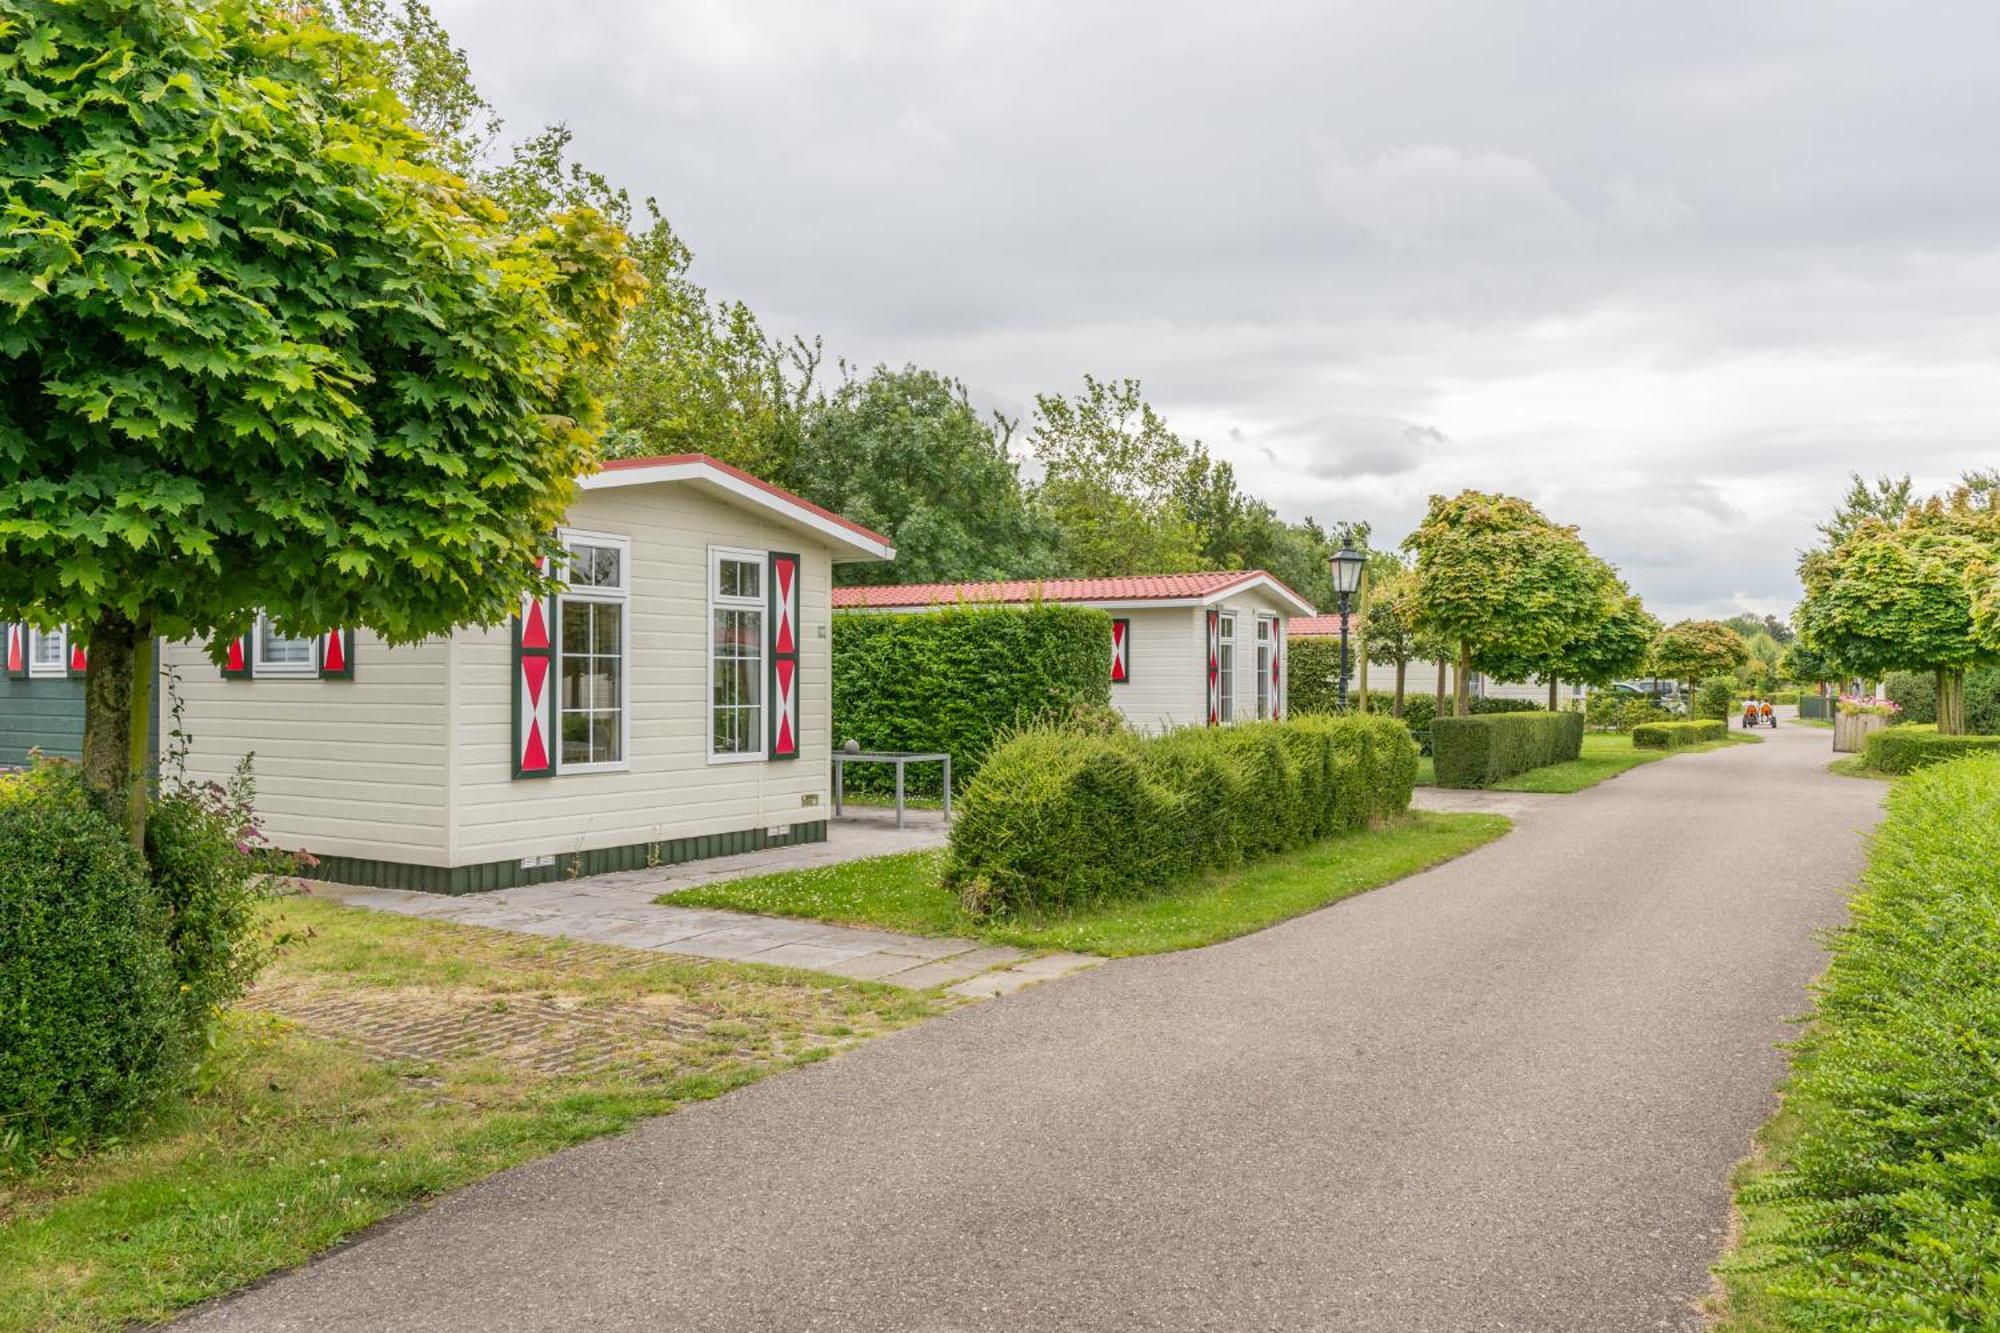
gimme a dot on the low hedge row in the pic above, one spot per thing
(1886, 1199)
(1480, 751)
(1905, 749)
(1059, 819)
(1673, 735)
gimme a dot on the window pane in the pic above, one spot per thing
(592, 566)
(604, 738)
(277, 650)
(576, 738)
(739, 578)
(604, 634)
(45, 647)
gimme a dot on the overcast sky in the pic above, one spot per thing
(1671, 271)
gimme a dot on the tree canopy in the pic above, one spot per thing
(1689, 650)
(264, 352)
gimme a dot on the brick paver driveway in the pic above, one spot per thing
(1505, 1094)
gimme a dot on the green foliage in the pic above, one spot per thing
(208, 865)
(1111, 473)
(1887, 1197)
(905, 453)
(1714, 698)
(1058, 821)
(1313, 683)
(1802, 665)
(1501, 583)
(1479, 751)
(956, 680)
(260, 350)
(1673, 735)
(1638, 712)
(1904, 749)
(1692, 649)
(1886, 501)
(92, 1028)
(1915, 692)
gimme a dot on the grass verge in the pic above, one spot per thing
(1741, 1301)
(1605, 755)
(903, 892)
(1856, 766)
(381, 1061)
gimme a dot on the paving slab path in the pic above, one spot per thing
(1504, 1094)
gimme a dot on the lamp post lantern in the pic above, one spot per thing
(1346, 567)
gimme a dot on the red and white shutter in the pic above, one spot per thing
(336, 655)
(534, 687)
(1121, 651)
(1214, 668)
(17, 649)
(79, 661)
(236, 661)
(784, 645)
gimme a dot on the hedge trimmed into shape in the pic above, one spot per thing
(1480, 751)
(1673, 735)
(957, 679)
(1060, 819)
(1887, 1197)
(1905, 749)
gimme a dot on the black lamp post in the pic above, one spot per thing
(1346, 567)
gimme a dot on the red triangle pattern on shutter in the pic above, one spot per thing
(786, 742)
(1120, 631)
(1214, 669)
(787, 574)
(534, 746)
(17, 653)
(334, 658)
(535, 627)
(236, 664)
(79, 659)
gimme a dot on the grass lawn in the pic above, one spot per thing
(902, 892)
(1742, 1302)
(1856, 766)
(1605, 755)
(333, 1100)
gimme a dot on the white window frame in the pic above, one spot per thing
(36, 638)
(263, 670)
(1225, 667)
(1267, 647)
(762, 605)
(620, 597)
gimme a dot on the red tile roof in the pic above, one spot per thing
(1125, 588)
(1314, 627)
(670, 460)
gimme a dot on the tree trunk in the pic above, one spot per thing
(1462, 692)
(117, 722)
(1951, 703)
(1437, 709)
(1402, 671)
(1552, 694)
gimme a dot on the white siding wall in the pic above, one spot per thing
(1168, 664)
(670, 790)
(343, 767)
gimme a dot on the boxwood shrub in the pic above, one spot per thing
(1479, 751)
(1672, 735)
(1907, 748)
(1887, 1197)
(1059, 819)
(955, 680)
(92, 1026)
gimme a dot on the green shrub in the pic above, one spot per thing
(1889, 1198)
(1479, 751)
(1908, 748)
(1604, 710)
(1916, 693)
(206, 859)
(1714, 698)
(1673, 735)
(1313, 682)
(1635, 713)
(955, 680)
(92, 1028)
(1059, 819)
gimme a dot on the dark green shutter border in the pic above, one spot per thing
(569, 864)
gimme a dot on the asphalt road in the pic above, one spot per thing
(1505, 1094)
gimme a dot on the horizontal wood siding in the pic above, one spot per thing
(44, 713)
(669, 791)
(349, 768)
(1166, 688)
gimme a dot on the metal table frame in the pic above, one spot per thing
(842, 758)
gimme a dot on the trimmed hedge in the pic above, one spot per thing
(1887, 1198)
(1916, 693)
(1059, 819)
(1905, 749)
(1480, 751)
(92, 1028)
(1673, 735)
(955, 680)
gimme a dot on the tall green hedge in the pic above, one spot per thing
(1905, 749)
(1059, 819)
(956, 680)
(1916, 693)
(1480, 751)
(1312, 668)
(1889, 1196)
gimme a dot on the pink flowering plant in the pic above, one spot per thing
(1868, 705)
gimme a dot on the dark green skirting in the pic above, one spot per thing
(566, 864)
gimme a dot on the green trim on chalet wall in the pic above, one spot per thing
(40, 712)
(564, 865)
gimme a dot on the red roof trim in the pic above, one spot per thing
(1127, 588)
(675, 460)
